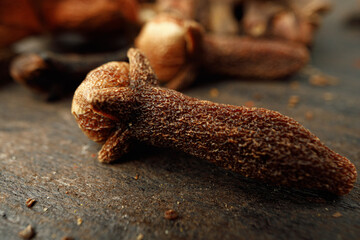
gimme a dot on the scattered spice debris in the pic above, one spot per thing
(293, 101)
(337, 214)
(30, 202)
(214, 92)
(79, 221)
(27, 233)
(322, 80)
(309, 115)
(319, 78)
(140, 237)
(171, 215)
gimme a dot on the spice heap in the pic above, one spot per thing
(119, 104)
(250, 38)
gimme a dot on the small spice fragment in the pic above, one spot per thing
(140, 237)
(309, 115)
(337, 214)
(170, 215)
(322, 80)
(293, 101)
(27, 233)
(30, 202)
(136, 177)
(79, 221)
(214, 92)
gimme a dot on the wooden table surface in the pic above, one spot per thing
(45, 156)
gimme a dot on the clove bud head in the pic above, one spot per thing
(171, 44)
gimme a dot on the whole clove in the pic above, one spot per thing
(57, 74)
(119, 104)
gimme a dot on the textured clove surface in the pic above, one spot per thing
(185, 47)
(119, 104)
(254, 58)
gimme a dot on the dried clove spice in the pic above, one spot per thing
(119, 104)
(27, 233)
(57, 74)
(23, 18)
(286, 19)
(171, 214)
(253, 38)
(291, 19)
(185, 48)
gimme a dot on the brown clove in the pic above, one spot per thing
(176, 48)
(120, 104)
(57, 74)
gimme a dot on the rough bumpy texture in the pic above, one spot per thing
(185, 47)
(96, 126)
(252, 57)
(119, 108)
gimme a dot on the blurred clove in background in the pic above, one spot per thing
(55, 43)
(51, 45)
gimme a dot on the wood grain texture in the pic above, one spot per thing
(43, 155)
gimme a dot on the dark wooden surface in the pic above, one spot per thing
(43, 155)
